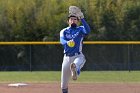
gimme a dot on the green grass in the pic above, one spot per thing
(86, 76)
(32, 77)
(110, 76)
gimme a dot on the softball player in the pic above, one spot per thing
(72, 40)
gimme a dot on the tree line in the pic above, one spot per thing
(42, 20)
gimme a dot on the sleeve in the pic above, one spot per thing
(62, 40)
(86, 26)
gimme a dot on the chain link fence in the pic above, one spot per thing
(50, 57)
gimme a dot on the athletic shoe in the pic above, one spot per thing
(65, 90)
(73, 71)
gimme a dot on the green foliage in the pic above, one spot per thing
(132, 23)
(32, 20)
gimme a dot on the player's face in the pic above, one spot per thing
(73, 20)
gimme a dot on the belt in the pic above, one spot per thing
(72, 54)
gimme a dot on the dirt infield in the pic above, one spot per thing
(73, 88)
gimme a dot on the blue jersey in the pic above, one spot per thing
(76, 34)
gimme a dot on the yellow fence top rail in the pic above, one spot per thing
(57, 42)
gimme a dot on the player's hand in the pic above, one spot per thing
(80, 15)
(71, 43)
(74, 10)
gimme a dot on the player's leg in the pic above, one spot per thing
(65, 74)
(77, 65)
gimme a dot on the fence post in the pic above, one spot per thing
(30, 57)
(130, 56)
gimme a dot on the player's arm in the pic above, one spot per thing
(62, 40)
(80, 16)
(86, 26)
